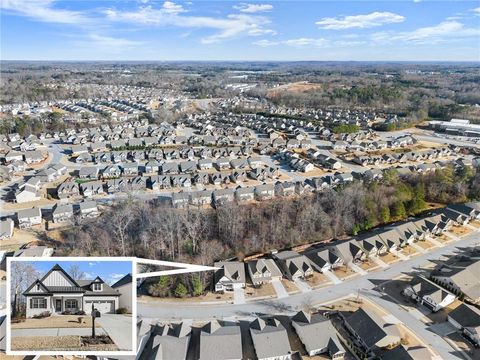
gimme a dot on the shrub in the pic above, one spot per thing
(17, 320)
(42, 315)
(122, 311)
(181, 291)
(67, 312)
(80, 312)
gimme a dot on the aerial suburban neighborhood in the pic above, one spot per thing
(219, 180)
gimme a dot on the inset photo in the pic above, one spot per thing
(71, 305)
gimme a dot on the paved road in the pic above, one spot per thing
(293, 302)
(366, 285)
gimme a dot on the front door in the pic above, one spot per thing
(58, 305)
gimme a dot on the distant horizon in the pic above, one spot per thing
(253, 61)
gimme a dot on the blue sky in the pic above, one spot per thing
(407, 30)
(109, 271)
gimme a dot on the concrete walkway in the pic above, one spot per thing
(418, 248)
(332, 277)
(379, 262)
(238, 296)
(356, 268)
(56, 332)
(400, 255)
(119, 328)
(451, 236)
(302, 285)
(434, 242)
(279, 289)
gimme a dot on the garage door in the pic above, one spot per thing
(104, 306)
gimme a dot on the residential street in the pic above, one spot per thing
(362, 284)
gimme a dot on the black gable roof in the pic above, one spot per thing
(123, 281)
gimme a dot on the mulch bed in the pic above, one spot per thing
(98, 340)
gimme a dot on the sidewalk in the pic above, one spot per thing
(56, 332)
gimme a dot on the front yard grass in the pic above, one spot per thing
(344, 272)
(475, 223)
(290, 286)
(367, 265)
(388, 258)
(409, 250)
(425, 244)
(60, 321)
(460, 230)
(443, 239)
(262, 291)
(57, 343)
(317, 280)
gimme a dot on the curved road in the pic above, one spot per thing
(366, 285)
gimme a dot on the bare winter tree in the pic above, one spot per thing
(22, 275)
(75, 272)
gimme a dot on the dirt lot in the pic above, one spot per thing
(296, 87)
(63, 321)
(263, 291)
(70, 343)
(317, 280)
(289, 286)
(344, 272)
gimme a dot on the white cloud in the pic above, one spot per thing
(172, 8)
(111, 42)
(299, 42)
(43, 10)
(476, 11)
(253, 8)
(360, 21)
(437, 33)
(310, 42)
(226, 27)
(305, 42)
(266, 43)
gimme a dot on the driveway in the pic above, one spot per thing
(279, 289)
(302, 285)
(239, 296)
(119, 328)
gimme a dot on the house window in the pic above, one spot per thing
(38, 287)
(97, 287)
(71, 304)
(38, 303)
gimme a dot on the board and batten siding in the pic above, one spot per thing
(57, 278)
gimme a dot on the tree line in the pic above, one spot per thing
(198, 235)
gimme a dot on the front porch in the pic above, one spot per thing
(69, 303)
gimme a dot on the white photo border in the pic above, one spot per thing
(133, 262)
